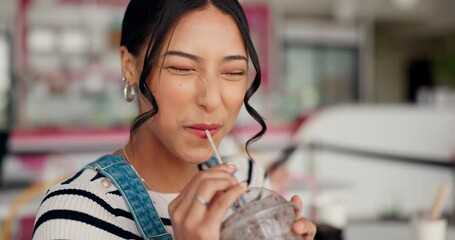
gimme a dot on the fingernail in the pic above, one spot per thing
(243, 184)
(231, 165)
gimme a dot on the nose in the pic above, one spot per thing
(209, 94)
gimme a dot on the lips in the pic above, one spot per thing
(199, 129)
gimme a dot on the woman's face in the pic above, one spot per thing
(199, 83)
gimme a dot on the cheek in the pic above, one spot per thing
(233, 95)
(174, 94)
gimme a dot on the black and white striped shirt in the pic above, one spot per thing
(89, 206)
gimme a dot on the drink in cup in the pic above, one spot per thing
(260, 214)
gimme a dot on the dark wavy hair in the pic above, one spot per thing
(146, 23)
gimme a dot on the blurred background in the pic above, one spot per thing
(359, 97)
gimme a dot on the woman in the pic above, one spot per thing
(189, 61)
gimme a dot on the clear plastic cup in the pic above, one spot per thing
(260, 214)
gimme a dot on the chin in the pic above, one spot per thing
(198, 158)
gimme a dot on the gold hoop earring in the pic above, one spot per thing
(128, 91)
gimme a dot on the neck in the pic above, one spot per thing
(156, 165)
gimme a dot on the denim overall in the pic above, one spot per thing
(148, 222)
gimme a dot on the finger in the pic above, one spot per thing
(219, 206)
(297, 206)
(209, 173)
(231, 168)
(304, 227)
(193, 185)
(206, 192)
(183, 201)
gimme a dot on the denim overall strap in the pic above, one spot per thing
(212, 162)
(116, 169)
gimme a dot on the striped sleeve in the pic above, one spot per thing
(82, 208)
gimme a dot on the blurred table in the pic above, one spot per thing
(382, 230)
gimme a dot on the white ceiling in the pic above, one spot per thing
(425, 19)
(431, 13)
(380, 9)
(383, 10)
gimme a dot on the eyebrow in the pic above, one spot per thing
(234, 57)
(182, 54)
(197, 58)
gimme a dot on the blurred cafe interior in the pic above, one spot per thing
(359, 97)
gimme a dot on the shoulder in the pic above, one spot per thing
(85, 185)
(85, 201)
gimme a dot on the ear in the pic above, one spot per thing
(129, 68)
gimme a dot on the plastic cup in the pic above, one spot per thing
(260, 214)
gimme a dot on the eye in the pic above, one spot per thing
(234, 75)
(179, 70)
